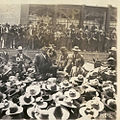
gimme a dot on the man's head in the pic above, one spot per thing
(20, 49)
(76, 49)
(63, 50)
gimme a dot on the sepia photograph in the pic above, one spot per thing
(58, 61)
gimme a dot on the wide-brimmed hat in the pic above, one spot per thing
(89, 112)
(58, 95)
(40, 102)
(72, 93)
(108, 92)
(28, 80)
(58, 112)
(32, 111)
(33, 90)
(5, 104)
(52, 80)
(77, 80)
(53, 87)
(94, 82)
(26, 99)
(96, 104)
(65, 84)
(63, 49)
(46, 97)
(111, 104)
(12, 78)
(42, 115)
(76, 48)
(14, 109)
(113, 49)
(19, 48)
(62, 73)
(2, 96)
(68, 102)
(89, 93)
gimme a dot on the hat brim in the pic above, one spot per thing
(49, 88)
(1, 105)
(43, 105)
(67, 105)
(101, 105)
(22, 102)
(76, 97)
(57, 95)
(82, 112)
(65, 86)
(30, 111)
(35, 88)
(49, 99)
(39, 117)
(76, 50)
(20, 110)
(109, 107)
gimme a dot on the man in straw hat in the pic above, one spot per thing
(21, 55)
(112, 52)
(72, 59)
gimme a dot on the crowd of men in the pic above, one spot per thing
(63, 87)
(33, 36)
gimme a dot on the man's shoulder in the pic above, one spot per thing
(70, 55)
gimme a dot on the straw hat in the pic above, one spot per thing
(5, 104)
(111, 104)
(65, 84)
(72, 93)
(14, 109)
(2, 96)
(32, 111)
(12, 78)
(88, 112)
(68, 102)
(96, 104)
(46, 97)
(26, 99)
(58, 95)
(20, 48)
(42, 115)
(113, 49)
(94, 82)
(52, 80)
(63, 49)
(76, 48)
(40, 102)
(33, 90)
(53, 87)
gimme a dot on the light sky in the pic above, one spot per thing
(114, 3)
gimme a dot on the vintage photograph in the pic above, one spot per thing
(58, 61)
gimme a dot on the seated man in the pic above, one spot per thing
(77, 69)
(72, 59)
(43, 64)
(22, 57)
(63, 58)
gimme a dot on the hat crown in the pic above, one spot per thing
(20, 48)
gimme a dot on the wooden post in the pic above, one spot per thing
(81, 20)
(107, 25)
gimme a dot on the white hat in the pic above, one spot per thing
(113, 49)
(20, 48)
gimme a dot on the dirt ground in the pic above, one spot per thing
(88, 56)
